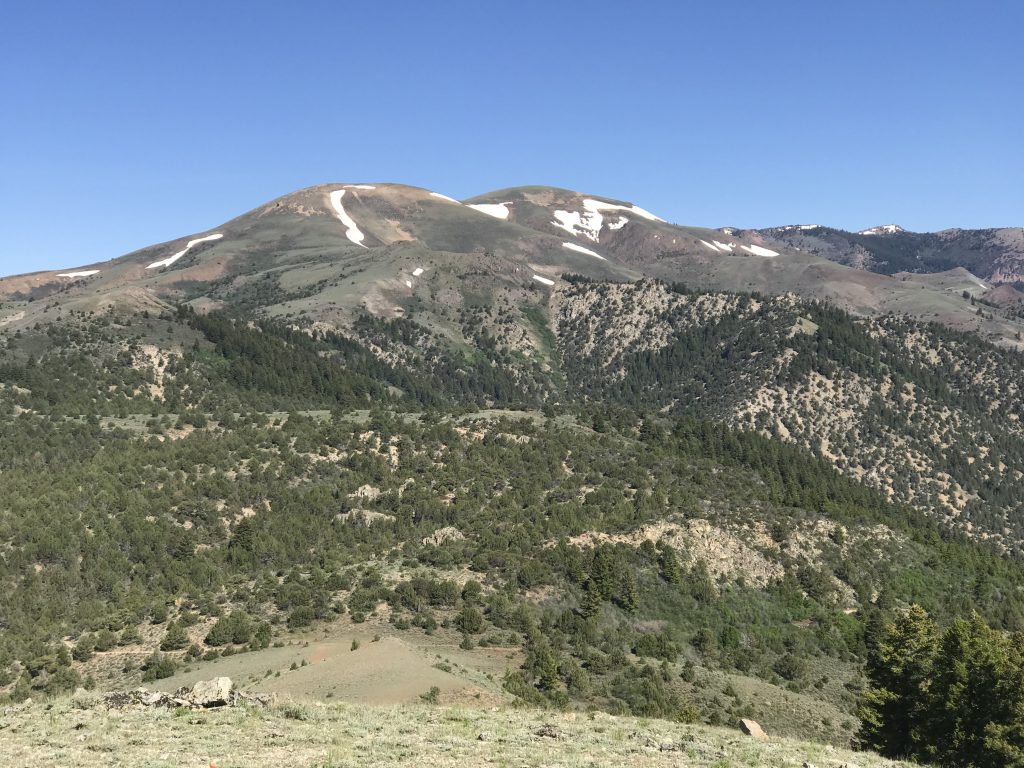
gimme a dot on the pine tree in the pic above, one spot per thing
(627, 596)
(670, 570)
(974, 695)
(590, 604)
(899, 672)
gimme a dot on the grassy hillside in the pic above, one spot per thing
(80, 732)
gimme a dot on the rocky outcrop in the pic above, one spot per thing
(442, 535)
(219, 692)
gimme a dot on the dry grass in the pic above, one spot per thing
(82, 732)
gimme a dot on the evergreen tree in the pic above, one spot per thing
(899, 671)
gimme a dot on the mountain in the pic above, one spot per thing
(993, 255)
(322, 253)
(538, 295)
(540, 445)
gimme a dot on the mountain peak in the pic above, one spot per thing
(884, 229)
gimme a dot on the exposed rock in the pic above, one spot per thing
(366, 517)
(143, 697)
(204, 694)
(724, 553)
(440, 536)
(211, 693)
(365, 492)
(752, 729)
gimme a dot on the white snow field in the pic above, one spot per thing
(757, 250)
(588, 223)
(359, 186)
(581, 249)
(445, 197)
(351, 230)
(171, 259)
(724, 247)
(709, 245)
(497, 210)
(417, 272)
(80, 273)
(544, 280)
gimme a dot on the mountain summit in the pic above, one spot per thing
(333, 250)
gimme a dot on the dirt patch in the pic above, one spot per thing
(388, 671)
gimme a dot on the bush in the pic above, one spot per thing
(301, 617)
(470, 620)
(433, 696)
(236, 628)
(130, 635)
(175, 639)
(657, 645)
(157, 667)
(105, 640)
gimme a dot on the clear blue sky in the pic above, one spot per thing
(128, 123)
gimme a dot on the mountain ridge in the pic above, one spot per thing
(533, 230)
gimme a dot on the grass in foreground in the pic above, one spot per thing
(82, 732)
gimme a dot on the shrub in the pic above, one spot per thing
(157, 667)
(301, 617)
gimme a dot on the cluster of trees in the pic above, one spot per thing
(952, 697)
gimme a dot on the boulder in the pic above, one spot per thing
(211, 693)
(752, 729)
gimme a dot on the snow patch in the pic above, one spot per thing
(417, 272)
(359, 186)
(171, 259)
(445, 197)
(885, 229)
(724, 247)
(709, 245)
(588, 223)
(978, 281)
(497, 210)
(80, 273)
(757, 250)
(600, 205)
(544, 280)
(579, 224)
(581, 249)
(408, 283)
(351, 230)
